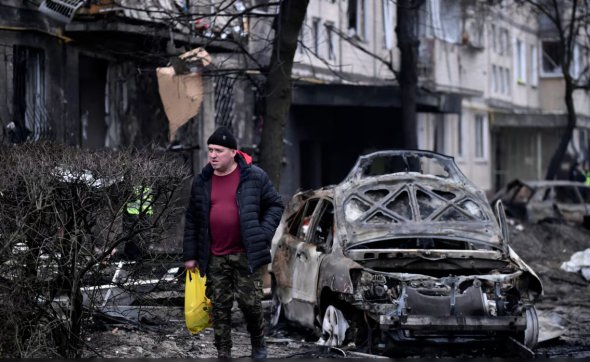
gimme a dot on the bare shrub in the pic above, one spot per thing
(61, 228)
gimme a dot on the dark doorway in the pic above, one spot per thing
(93, 128)
(332, 138)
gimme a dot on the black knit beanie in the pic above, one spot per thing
(223, 137)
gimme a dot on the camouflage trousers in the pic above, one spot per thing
(229, 275)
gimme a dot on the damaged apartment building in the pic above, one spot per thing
(491, 91)
(85, 73)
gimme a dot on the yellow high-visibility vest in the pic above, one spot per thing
(142, 203)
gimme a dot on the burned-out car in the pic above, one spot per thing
(546, 200)
(405, 249)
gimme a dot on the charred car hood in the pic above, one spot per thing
(411, 205)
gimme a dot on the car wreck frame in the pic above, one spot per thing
(405, 249)
(546, 200)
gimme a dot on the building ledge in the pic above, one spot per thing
(148, 30)
(342, 95)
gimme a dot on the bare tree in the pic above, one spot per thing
(570, 24)
(61, 212)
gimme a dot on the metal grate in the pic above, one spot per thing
(224, 101)
(62, 10)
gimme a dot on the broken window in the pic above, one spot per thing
(29, 91)
(299, 226)
(324, 230)
(446, 19)
(357, 18)
(551, 60)
(566, 195)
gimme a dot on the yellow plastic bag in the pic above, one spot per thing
(197, 307)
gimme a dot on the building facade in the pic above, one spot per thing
(490, 91)
(498, 59)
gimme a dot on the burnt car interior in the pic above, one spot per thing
(545, 200)
(316, 230)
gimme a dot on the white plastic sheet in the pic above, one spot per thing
(579, 262)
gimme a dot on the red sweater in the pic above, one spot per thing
(224, 219)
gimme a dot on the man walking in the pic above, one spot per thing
(231, 218)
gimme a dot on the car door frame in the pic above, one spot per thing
(305, 266)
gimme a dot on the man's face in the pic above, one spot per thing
(220, 158)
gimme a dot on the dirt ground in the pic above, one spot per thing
(543, 246)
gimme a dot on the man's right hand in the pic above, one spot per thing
(190, 264)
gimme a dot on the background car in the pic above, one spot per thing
(405, 250)
(546, 200)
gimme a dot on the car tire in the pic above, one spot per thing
(530, 336)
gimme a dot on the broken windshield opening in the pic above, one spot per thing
(424, 243)
(389, 164)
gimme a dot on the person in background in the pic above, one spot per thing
(137, 215)
(587, 173)
(232, 215)
(577, 172)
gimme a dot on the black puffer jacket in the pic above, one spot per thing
(260, 209)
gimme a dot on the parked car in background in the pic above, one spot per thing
(405, 249)
(546, 200)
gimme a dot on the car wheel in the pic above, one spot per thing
(530, 335)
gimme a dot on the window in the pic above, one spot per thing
(494, 39)
(324, 228)
(388, 24)
(503, 44)
(315, 29)
(445, 15)
(507, 80)
(460, 143)
(534, 66)
(575, 66)
(551, 59)
(330, 41)
(357, 18)
(520, 62)
(29, 89)
(300, 222)
(301, 38)
(502, 80)
(494, 78)
(440, 131)
(480, 137)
